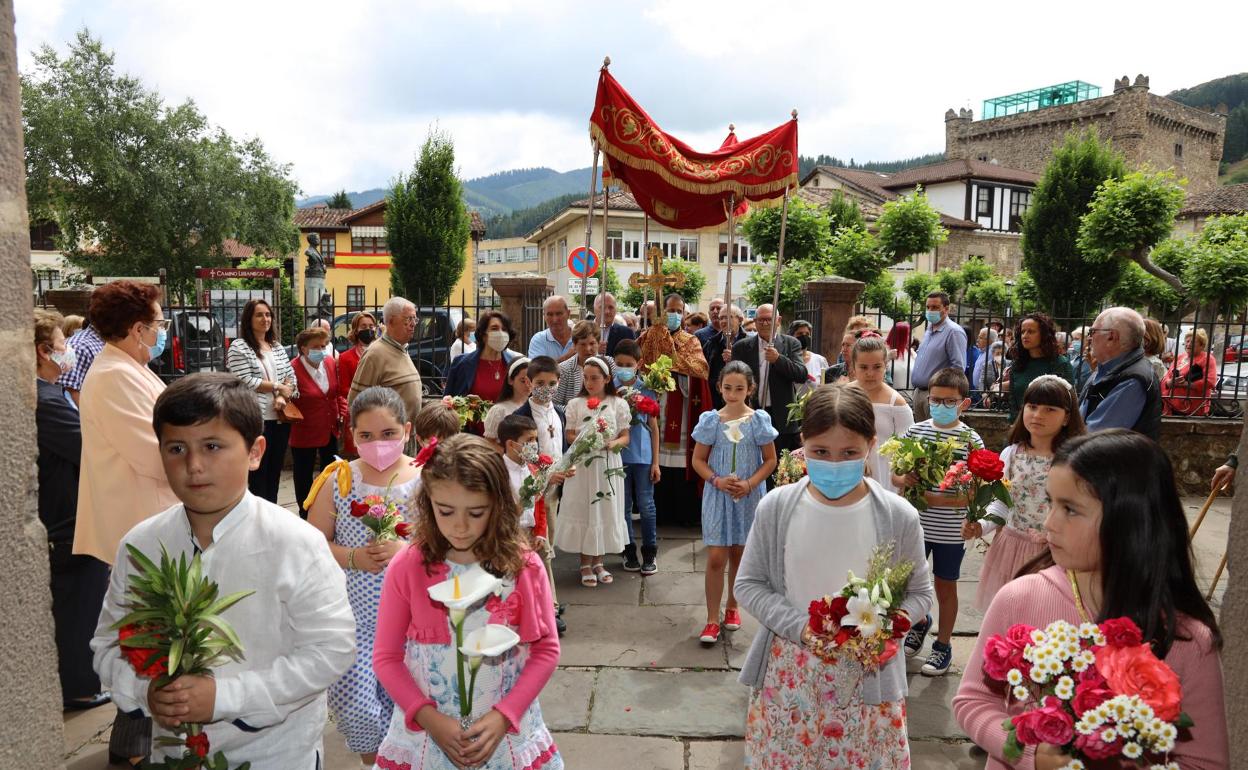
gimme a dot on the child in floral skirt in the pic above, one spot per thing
(807, 536)
(1050, 416)
(468, 531)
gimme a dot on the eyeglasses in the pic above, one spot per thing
(1093, 330)
(945, 402)
(162, 323)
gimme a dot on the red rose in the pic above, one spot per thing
(1136, 671)
(359, 509)
(142, 659)
(545, 460)
(986, 464)
(1050, 723)
(840, 608)
(820, 616)
(1089, 695)
(901, 625)
(404, 529)
(1019, 635)
(593, 403)
(843, 635)
(890, 650)
(1122, 632)
(1092, 747)
(998, 657)
(198, 744)
(647, 406)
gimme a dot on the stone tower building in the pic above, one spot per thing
(1149, 130)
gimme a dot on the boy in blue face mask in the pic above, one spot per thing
(641, 465)
(942, 521)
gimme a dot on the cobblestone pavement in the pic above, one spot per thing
(635, 689)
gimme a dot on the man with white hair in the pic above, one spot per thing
(321, 323)
(612, 332)
(1124, 392)
(556, 339)
(387, 363)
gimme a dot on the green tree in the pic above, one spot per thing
(1026, 294)
(950, 281)
(1217, 267)
(1138, 289)
(843, 213)
(1130, 215)
(881, 293)
(289, 312)
(135, 185)
(909, 226)
(975, 271)
(805, 238)
(340, 201)
(695, 282)
(917, 286)
(1051, 254)
(989, 294)
(427, 224)
(761, 283)
(856, 254)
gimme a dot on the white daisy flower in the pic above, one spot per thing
(1021, 693)
(1132, 750)
(1014, 678)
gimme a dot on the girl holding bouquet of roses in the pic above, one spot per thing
(339, 499)
(1050, 416)
(807, 536)
(1118, 548)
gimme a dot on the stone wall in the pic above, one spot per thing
(30, 707)
(1145, 127)
(1196, 447)
(1003, 251)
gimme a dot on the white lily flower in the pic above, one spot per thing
(732, 430)
(487, 642)
(862, 612)
(888, 592)
(473, 586)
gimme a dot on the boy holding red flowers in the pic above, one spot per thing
(296, 630)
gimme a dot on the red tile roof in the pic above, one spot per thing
(620, 201)
(949, 170)
(321, 218)
(866, 190)
(369, 209)
(235, 250)
(1226, 199)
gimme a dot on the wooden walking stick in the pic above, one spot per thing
(1200, 518)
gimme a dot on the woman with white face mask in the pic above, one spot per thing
(483, 372)
(324, 410)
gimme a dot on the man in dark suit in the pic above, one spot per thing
(777, 358)
(718, 349)
(612, 332)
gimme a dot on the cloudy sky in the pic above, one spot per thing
(346, 91)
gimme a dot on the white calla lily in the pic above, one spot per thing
(732, 430)
(862, 612)
(487, 642)
(473, 586)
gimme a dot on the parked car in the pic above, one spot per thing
(1236, 349)
(430, 348)
(196, 343)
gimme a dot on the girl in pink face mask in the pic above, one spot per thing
(380, 428)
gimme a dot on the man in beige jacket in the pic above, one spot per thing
(387, 362)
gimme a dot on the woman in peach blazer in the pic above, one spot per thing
(122, 481)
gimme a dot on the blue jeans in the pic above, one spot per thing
(637, 487)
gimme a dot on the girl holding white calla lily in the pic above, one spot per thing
(807, 539)
(466, 633)
(734, 455)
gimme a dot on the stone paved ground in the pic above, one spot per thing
(635, 689)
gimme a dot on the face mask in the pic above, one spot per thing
(66, 359)
(381, 454)
(835, 479)
(625, 374)
(316, 356)
(1076, 347)
(366, 335)
(542, 394)
(497, 340)
(159, 347)
(530, 452)
(943, 415)
(805, 340)
(673, 321)
(933, 316)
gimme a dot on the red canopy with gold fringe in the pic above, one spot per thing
(677, 185)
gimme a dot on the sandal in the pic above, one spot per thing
(604, 577)
(587, 577)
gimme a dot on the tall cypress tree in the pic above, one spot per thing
(427, 225)
(1051, 256)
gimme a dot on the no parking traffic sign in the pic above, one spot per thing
(580, 265)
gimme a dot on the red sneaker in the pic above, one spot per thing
(710, 634)
(732, 620)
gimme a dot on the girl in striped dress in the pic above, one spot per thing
(360, 706)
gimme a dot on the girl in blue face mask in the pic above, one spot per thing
(807, 536)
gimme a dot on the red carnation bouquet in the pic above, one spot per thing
(864, 620)
(982, 478)
(1095, 691)
(174, 627)
(381, 515)
(539, 477)
(640, 406)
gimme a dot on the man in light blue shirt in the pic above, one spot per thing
(943, 347)
(556, 339)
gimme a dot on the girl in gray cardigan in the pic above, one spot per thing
(806, 537)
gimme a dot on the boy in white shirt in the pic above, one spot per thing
(297, 630)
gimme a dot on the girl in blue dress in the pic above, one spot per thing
(360, 706)
(734, 455)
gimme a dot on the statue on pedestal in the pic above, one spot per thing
(313, 277)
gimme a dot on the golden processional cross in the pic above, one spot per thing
(656, 280)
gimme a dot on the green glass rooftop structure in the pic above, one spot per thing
(1039, 98)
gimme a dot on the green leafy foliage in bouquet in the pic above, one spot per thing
(467, 408)
(658, 376)
(927, 459)
(175, 627)
(797, 407)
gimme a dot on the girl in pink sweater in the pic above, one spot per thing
(1118, 547)
(467, 520)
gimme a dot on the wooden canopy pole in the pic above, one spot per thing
(589, 224)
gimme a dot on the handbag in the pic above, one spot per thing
(289, 413)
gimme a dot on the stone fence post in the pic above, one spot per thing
(837, 297)
(517, 292)
(30, 709)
